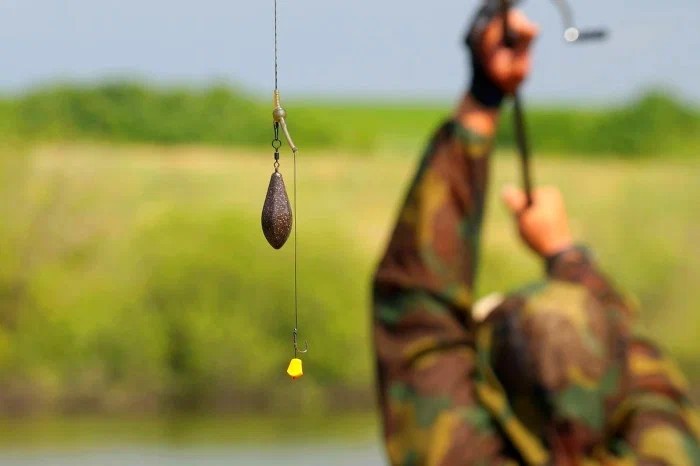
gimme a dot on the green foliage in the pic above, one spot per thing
(143, 290)
(656, 124)
(130, 112)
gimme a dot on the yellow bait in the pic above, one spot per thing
(294, 370)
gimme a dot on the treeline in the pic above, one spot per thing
(131, 112)
(655, 124)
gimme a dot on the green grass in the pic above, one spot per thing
(136, 278)
(184, 430)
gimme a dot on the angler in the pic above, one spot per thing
(547, 375)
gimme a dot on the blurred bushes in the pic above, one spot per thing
(131, 112)
(130, 281)
(136, 279)
(129, 288)
(655, 124)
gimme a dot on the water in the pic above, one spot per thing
(299, 455)
(192, 441)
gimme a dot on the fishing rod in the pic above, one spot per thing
(572, 34)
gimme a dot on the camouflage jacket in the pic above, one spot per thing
(552, 376)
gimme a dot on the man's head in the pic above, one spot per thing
(558, 356)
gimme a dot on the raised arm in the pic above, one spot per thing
(422, 291)
(609, 396)
(434, 245)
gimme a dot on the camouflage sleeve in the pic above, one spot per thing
(434, 245)
(575, 265)
(655, 423)
(650, 421)
(422, 322)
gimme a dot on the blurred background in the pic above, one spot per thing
(144, 320)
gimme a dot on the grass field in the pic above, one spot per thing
(137, 277)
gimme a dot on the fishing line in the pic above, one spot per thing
(277, 215)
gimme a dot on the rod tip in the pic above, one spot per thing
(571, 34)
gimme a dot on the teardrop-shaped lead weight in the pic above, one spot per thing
(276, 213)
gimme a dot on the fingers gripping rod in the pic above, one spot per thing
(571, 34)
(518, 113)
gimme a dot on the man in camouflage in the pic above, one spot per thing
(547, 375)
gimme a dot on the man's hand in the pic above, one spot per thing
(498, 69)
(508, 67)
(544, 226)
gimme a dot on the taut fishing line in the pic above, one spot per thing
(277, 214)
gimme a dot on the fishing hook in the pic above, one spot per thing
(296, 344)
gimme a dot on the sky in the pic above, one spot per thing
(351, 49)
